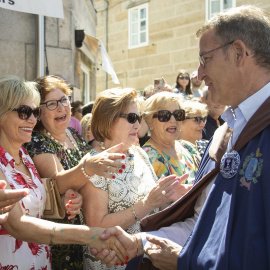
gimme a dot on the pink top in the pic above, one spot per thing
(75, 123)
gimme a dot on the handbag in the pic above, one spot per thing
(53, 207)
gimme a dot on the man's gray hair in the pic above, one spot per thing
(249, 24)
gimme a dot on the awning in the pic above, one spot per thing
(91, 44)
(51, 8)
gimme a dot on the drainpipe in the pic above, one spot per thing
(40, 46)
(106, 38)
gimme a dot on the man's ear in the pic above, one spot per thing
(240, 50)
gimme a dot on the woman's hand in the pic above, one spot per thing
(72, 203)
(180, 189)
(109, 243)
(128, 241)
(163, 190)
(8, 198)
(106, 163)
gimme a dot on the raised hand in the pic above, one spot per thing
(106, 163)
(8, 198)
(72, 203)
(128, 241)
(164, 254)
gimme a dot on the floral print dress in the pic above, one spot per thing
(63, 256)
(14, 253)
(165, 165)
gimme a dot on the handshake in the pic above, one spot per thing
(116, 247)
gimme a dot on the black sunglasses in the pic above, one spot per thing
(165, 115)
(198, 119)
(131, 117)
(24, 112)
(184, 77)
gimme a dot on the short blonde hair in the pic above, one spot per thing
(107, 107)
(15, 92)
(86, 124)
(158, 102)
(195, 107)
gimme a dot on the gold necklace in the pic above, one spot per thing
(18, 164)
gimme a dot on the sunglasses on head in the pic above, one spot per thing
(24, 112)
(184, 77)
(198, 119)
(165, 115)
(131, 117)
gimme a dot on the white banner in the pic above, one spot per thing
(51, 8)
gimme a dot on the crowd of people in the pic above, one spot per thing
(128, 160)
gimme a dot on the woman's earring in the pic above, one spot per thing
(150, 128)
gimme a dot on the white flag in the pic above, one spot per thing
(51, 8)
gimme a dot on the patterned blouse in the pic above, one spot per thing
(14, 253)
(165, 165)
(63, 256)
(126, 189)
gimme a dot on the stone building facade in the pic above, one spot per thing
(18, 46)
(171, 44)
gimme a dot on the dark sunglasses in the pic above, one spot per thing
(184, 77)
(53, 104)
(131, 117)
(198, 119)
(165, 115)
(24, 112)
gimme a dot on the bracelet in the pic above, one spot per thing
(83, 170)
(137, 245)
(52, 233)
(134, 213)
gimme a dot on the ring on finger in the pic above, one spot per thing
(108, 167)
(163, 192)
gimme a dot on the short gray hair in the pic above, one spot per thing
(15, 92)
(249, 24)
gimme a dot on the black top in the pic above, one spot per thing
(210, 127)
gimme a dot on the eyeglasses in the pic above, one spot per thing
(131, 117)
(53, 104)
(183, 77)
(201, 56)
(198, 119)
(24, 112)
(165, 115)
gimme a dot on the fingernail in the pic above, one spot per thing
(126, 262)
(120, 171)
(122, 264)
(68, 212)
(72, 195)
(127, 257)
(113, 177)
(69, 218)
(123, 166)
(67, 205)
(70, 201)
(117, 264)
(123, 156)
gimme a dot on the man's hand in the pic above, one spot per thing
(128, 241)
(165, 253)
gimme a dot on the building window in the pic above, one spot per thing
(214, 6)
(84, 84)
(138, 26)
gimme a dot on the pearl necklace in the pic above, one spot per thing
(61, 143)
(130, 156)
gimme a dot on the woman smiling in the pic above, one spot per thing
(164, 114)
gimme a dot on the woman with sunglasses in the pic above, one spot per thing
(182, 85)
(24, 237)
(135, 192)
(58, 150)
(164, 115)
(192, 126)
